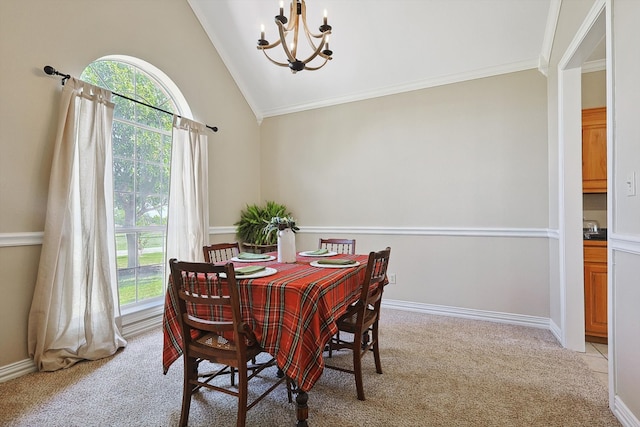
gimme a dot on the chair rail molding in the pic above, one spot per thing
(437, 231)
(624, 243)
(21, 239)
(36, 238)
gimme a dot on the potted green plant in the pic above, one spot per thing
(285, 228)
(253, 219)
(280, 223)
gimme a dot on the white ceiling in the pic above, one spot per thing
(380, 46)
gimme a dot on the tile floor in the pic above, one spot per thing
(596, 357)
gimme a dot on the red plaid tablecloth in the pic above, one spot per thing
(293, 314)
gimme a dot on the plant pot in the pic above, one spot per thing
(286, 246)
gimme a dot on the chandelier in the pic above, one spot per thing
(298, 10)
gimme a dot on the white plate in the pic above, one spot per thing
(308, 253)
(236, 259)
(315, 264)
(262, 273)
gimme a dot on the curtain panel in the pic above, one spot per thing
(188, 218)
(75, 312)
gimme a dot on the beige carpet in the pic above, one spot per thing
(438, 371)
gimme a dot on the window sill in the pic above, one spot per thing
(142, 318)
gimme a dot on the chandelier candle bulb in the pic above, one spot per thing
(262, 32)
(325, 17)
(281, 8)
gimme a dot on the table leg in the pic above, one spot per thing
(302, 410)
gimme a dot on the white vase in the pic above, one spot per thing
(286, 246)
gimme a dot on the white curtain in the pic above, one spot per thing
(75, 311)
(188, 220)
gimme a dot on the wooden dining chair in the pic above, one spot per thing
(341, 246)
(219, 252)
(199, 291)
(362, 318)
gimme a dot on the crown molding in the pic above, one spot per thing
(592, 66)
(406, 87)
(218, 45)
(549, 36)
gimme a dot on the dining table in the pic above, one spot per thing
(292, 311)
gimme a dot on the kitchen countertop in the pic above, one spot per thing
(601, 235)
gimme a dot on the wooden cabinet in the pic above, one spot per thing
(594, 150)
(595, 291)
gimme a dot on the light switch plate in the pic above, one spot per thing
(630, 184)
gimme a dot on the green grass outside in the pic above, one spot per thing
(152, 240)
(148, 287)
(145, 259)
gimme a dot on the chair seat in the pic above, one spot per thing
(348, 322)
(217, 342)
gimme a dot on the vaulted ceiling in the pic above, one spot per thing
(380, 47)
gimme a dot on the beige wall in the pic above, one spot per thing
(69, 34)
(594, 89)
(471, 154)
(444, 163)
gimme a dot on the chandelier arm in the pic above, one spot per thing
(326, 58)
(306, 27)
(296, 27)
(281, 64)
(323, 42)
(315, 53)
(292, 12)
(291, 57)
(270, 46)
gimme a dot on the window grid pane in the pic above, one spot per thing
(141, 167)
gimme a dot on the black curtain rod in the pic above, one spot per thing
(53, 72)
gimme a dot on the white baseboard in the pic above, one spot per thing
(133, 324)
(142, 321)
(468, 313)
(555, 330)
(17, 369)
(623, 414)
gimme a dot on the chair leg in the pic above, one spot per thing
(376, 349)
(357, 370)
(365, 340)
(190, 373)
(242, 396)
(289, 392)
(233, 375)
(335, 338)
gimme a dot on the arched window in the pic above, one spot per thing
(141, 168)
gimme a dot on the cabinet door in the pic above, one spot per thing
(594, 150)
(595, 299)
